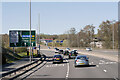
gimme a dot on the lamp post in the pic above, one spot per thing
(39, 31)
(113, 33)
(30, 31)
(113, 36)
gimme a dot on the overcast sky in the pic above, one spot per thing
(57, 17)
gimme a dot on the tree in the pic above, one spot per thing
(72, 37)
(86, 35)
(105, 32)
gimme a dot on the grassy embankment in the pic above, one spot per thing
(8, 56)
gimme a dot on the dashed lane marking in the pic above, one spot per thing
(105, 70)
(107, 62)
(91, 62)
(55, 65)
(67, 70)
(97, 65)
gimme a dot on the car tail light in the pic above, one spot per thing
(57, 58)
(77, 60)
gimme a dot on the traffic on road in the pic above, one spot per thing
(59, 65)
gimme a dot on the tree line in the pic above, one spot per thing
(107, 32)
(84, 37)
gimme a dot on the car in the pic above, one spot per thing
(56, 50)
(81, 60)
(72, 54)
(88, 49)
(57, 58)
(66, 52)
(75, 50)
(60, 51)
(48, 47)
(68, 49)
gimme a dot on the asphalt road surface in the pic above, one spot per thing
(109, 52)
(98, 68)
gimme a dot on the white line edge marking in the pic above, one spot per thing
(67, 69)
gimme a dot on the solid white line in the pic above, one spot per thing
(67, 70)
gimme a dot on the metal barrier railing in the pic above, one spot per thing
(20, 68)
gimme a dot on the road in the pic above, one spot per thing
(107, 52)
(99, 68)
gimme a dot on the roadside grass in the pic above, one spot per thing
(24, 54)
(11, 58)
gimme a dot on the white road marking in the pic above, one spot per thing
(115, 78)
(67, 70)
(97, 65)
(55, 65)
(108, 63)
(105, 70)
(91, 62)
(102, 61)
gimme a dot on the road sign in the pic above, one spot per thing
(21, 38)
(61, 41)
(57, 41)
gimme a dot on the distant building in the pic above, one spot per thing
(97, 43)
(46, 41)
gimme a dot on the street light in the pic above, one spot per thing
(113, 32)
(30, 31)
(39, 31)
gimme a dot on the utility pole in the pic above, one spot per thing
(30, 32)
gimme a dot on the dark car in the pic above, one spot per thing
(66, 52)
(56, 50)
(72, 54)
(57, 58)
(60, 51)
